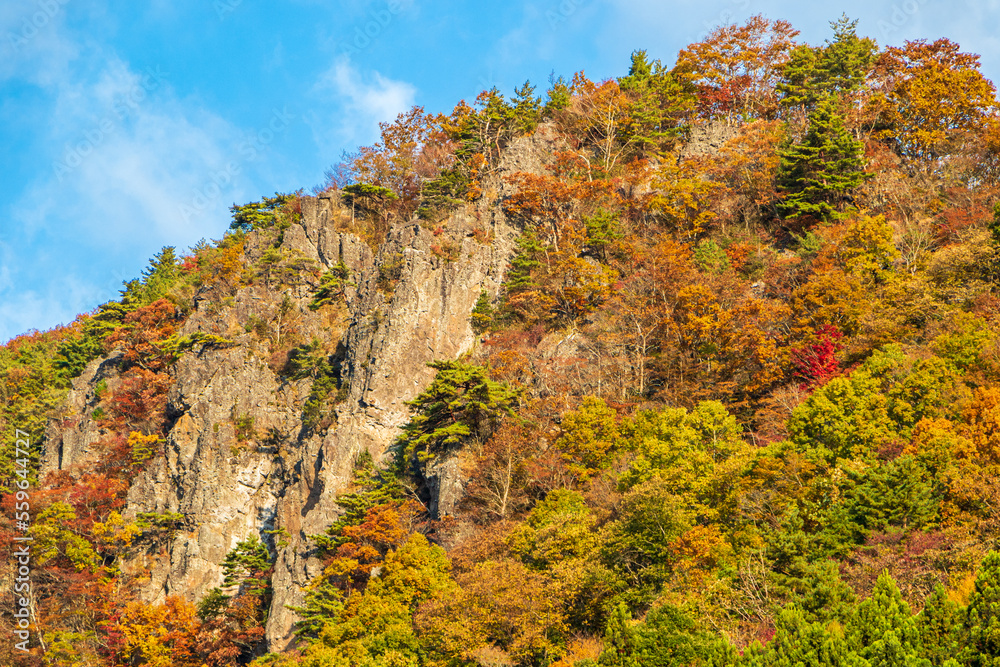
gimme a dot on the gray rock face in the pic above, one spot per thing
(70, 442)
(707, 138)
(285, 476)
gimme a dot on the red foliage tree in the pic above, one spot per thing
(817, 362)
(143, 329)
(138, 404)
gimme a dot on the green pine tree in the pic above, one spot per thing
(798, 642)
(657, 104)
(882, 629)
(257, 215)
(520, 277)
(619, 639)
(670, 637)
(847, 59)
(527, 108)
(558, 94)
(74, 354)
(247, 564)
(818, 174)
(482, 313)
(799, 85)
(461, 403)
(838, 68)
(940, 627)
(162, 273)
(982, 619)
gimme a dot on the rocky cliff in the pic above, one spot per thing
(282, 477)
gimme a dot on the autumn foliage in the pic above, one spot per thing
(734, 400)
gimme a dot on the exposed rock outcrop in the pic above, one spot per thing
(286, 475)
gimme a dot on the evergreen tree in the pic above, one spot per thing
(983, 615)
(812, 581)
(798, 642)
(940, 627)
(619, 639)
(527, 108)
(838, 68)
(163, 271)
(818, 174)
(882, 629)
(752, 656)
(520, 277)
(373, 486)
(74, 354)
(257, 215)
(482, 313)
(657, 103)
(375, 626)
(670, 637)
(899, 493)
(489, 128)
(462, 402)
(847, 59)
(641, 67)
(559, 95)
(799, 86)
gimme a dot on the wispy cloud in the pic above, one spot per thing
(34, 45)
(126, 152)
(359, 102)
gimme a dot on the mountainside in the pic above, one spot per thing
(284, 473)
(696, 366)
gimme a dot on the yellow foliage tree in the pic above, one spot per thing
(982, 418)
(932, 93)
(683, 198)
(158, 635)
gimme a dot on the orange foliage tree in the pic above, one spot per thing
(140, 333)
(603, 114)
(931, 95)
(737, 67)
(413, 149)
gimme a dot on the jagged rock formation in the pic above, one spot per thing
(287, 476)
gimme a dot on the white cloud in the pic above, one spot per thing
(133, 168)
(34, 45)
(362, 102)
(126, 155)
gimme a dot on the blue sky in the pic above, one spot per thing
(127, 126)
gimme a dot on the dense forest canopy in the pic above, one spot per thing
(776, 440)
